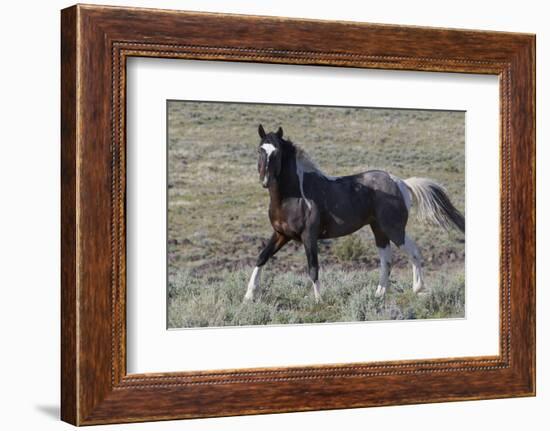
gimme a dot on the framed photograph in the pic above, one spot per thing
(263, 214)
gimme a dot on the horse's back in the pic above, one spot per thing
(390, 205)
(377, 196)
(350, 202)
(375, 179)
(344, 204)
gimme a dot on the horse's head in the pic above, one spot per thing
(269, 155)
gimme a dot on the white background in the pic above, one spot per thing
(151, 348)
(29, 221)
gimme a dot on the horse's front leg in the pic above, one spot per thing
(273, 246)
(309, 238)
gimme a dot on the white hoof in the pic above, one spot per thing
(380, 291)
(253, 285)
(317, 292)
(418, 288)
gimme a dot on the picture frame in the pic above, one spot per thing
(96, 42)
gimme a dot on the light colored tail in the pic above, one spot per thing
(433, 203)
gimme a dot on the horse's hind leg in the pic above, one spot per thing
(273, 246)
(415, 258)
(384, 251)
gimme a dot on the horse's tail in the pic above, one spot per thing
(434, 204)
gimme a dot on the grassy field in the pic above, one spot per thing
(216, 300)
(218, 223)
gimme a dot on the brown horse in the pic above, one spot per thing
(306, 205)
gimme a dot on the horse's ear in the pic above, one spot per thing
(280, 132)
(261, 131)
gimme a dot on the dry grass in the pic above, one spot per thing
(216, 299)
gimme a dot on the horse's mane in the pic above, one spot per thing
(303, 159)
(304, 163)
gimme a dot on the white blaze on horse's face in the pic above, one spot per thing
(269, 150)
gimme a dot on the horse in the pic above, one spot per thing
(306, 205)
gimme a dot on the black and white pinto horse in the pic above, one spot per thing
(307, 205)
